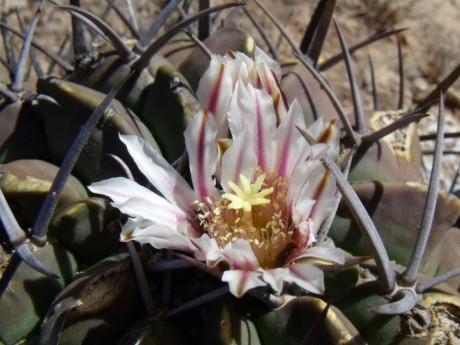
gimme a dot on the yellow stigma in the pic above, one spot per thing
(249, 195)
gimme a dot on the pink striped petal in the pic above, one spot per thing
(215, 90)
(253, 109)
(200, 140)
(321, 187)
(238, 159)
(241, 281)
(240, 256)
(289, 146)
(159, 172)
(275, 278)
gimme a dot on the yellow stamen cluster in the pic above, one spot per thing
(249, 195)
(256, 212)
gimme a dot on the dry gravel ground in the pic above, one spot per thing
(431, 47)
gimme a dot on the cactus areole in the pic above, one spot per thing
(259, 191)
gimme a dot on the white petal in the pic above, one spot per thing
(160, 237)
(306, 276)
(301, 174)
(301, 210)
(200, 140)
(241, 281)
(159, 172)
(140, 207)
(121, 189)
(320, 254)
(238, 160)
(318, 185)
(260, 55)
(207, 249)
(146, 203)
(324, 202)
(275, 277)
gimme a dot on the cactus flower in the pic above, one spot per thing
(259, 190)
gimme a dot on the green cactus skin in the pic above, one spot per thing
(375, 329)
(22, 135)
(152, 332)
(89, 229)
(298, 83)
(398, 222)
(226, 327)
(28, 295)
(63, 122)
(105, 72)
(26, 183)
(428, 323)
(100, 301)
(396, 157)
(290, 324)
(165, 112)
(227, 38)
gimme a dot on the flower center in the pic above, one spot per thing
(256, 212)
